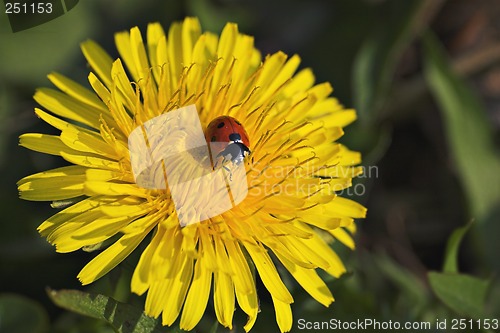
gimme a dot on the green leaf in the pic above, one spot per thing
(463, 293)
(215, 326)
(451, 255)
(124, 318)
(468, 131)
(19, 314)
(408, 283)
(377, 58)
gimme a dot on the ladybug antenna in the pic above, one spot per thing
(235, 137)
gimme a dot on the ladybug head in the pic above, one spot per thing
(235, 137)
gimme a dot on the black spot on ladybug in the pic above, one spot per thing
(213, 138)
(221, 124)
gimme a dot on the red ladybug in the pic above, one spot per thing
(229, 139)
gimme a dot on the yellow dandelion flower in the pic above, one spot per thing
(289, 178)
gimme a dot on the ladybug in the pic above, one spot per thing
(229, 139)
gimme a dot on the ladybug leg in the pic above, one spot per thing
(223, 164)
(217, 158)
(230, 173)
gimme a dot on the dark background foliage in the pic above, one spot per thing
(425, 79)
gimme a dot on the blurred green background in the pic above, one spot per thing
(425, 79)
